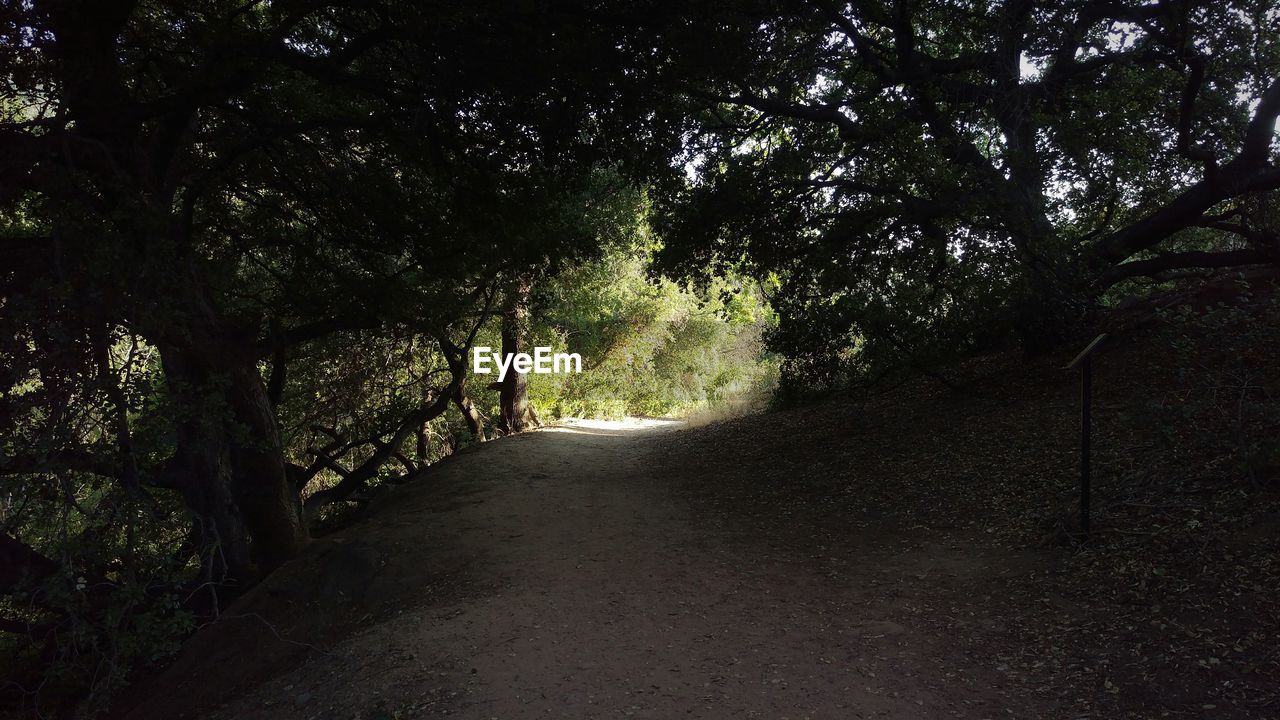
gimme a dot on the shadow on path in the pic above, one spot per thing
(559, 573)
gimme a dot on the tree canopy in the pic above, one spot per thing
(245, 246)
(939, 175)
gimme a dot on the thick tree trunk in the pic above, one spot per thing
(231, 466)
(516, 414)
(208, 486)
(1049, 303)
(1046, 314)
(270, 503)
(229, 462)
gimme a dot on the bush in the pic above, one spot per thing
(649, 346)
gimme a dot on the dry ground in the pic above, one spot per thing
(899, 558)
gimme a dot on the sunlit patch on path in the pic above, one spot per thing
(629, 423)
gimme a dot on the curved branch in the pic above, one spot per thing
(78, 460)
(1157, 266)
(357, 478)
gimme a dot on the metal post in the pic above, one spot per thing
(1085, 361)
(1086, 413)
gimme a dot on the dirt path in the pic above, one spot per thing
(903, 556)
(564, 574)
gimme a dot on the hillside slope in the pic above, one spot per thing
(905, 556)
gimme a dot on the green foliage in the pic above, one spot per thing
(360, 385)
(307, 199)
(649, 346)
(926, 180)
(117, 604)
(241, 238)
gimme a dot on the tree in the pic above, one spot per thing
(936, 175)
(516, 414)
(236, 187)
(244, 248)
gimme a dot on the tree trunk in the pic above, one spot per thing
(1045, 316)
(270, 503)
(422, 445)
(470, 414)
(458, 368)
(21, 566)
(231, 465)
(1050, 303)
(516, 414)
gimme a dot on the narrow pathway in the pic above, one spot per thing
(563, 574)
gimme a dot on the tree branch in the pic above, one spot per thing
(21, 565)
(290, 337)
(829, 113)
(1247, 172)
(1156, 266)
(357, 478)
